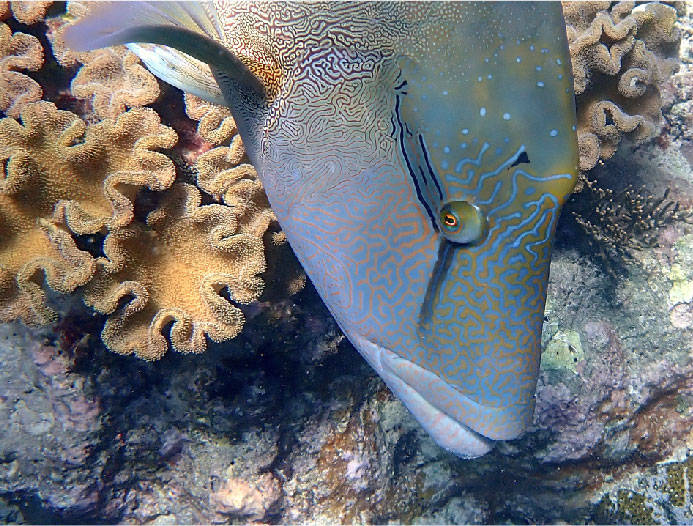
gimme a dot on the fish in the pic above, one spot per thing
(417, 156)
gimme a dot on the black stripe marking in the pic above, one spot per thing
(440, 271)
(430, 168)
(523, 158)
(403, 149)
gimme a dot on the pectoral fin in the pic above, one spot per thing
(185, 44)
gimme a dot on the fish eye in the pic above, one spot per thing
(462, 222)
(450, 221)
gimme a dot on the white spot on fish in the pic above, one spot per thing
(506, 116)
(518, 59)
(444, 165)
(553, 133)
(479, 79)
(465, 131)
(540, 84)
(531, 47)
(482, 112)
(489, 76)
(446, 149)
(558, 61)
(538, 68)
(445, 93)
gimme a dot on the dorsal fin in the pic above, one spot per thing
(181, 39)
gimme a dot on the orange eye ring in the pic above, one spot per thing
(450, 221)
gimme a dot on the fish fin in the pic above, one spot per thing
(180, 70)
(188, 29)
(110, 23)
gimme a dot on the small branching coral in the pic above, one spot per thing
(179, 268)
(18, 52)
(622, 222)
(621, 55)
(61, 177)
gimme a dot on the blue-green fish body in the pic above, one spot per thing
(417, 156)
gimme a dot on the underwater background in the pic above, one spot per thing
(282, 421)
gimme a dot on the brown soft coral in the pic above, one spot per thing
(223, 173)
(114, 79)
(26, 257)
(89, 175)
(621, 55)
(215, 122)
(18, 52)
(29, 244)
(178, 268)
(30, 12)
(60, 174)
(56, 26)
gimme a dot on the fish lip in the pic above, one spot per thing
(489, 423)
(449, 432)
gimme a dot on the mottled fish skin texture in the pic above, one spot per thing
(417, 155)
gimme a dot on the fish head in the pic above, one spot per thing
(421, 191)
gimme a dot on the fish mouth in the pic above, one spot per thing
(407, 381)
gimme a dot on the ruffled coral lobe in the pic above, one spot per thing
(176, 269)
(61, 178)
(621, 56)
(18, 52)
